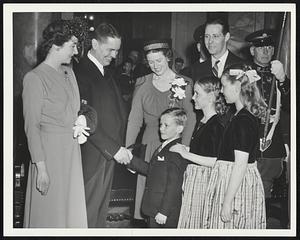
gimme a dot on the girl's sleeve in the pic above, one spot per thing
(244, 135)
(32, 109)
(213, 140)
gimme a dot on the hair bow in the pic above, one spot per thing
(251, 74)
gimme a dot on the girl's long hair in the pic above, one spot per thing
(212, 84)
(250, 95)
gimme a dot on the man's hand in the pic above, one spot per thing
(277, 70)
(160, 218)
(123, 156)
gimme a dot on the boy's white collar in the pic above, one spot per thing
(166, 142)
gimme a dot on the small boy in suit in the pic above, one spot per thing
(163, 192)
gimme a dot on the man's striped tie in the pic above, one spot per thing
(215, 68)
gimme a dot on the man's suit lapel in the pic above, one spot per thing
(97, 75)
(166, 148)
(209, 65)
(170, 144)
(118, 95)
(109, 81)
(230, 60)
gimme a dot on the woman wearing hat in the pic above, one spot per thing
(153, 94)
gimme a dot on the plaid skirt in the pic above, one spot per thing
(248, 204)
(195, 182)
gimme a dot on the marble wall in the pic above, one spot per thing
(27, 34)
(178, 27)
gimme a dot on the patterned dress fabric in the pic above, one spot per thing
(249, 202)
(205, 142)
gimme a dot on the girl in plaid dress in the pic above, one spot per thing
(203, 151)
(235, 194)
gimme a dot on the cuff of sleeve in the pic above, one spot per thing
(284, 87)
(134, 172)
(164, 212)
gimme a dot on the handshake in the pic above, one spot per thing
(123, 156)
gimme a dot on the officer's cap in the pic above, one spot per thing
(264, 37)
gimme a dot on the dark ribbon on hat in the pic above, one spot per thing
(153, 46)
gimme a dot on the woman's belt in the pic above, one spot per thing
(56, 129)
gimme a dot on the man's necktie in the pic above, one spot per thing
(215, 68)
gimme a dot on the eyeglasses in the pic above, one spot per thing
(262, 48)
(213, 36)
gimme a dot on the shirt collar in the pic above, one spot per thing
(165, 143)
(222, 59)
(221, 64)
(96, 62)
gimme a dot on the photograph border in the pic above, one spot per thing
(9, 9)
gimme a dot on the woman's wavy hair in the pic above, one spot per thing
(250, 94)
(212, 84)
(167, 52)
(61, 31)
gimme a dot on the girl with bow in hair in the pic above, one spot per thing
(235, 194)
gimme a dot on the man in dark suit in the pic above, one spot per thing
(98, 89)
(216, 37)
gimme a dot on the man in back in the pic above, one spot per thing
(216, 37)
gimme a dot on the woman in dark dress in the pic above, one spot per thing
(203, 151)
(235, 194)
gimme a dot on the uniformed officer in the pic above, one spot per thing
(272, 153)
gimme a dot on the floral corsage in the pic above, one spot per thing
(177, 91)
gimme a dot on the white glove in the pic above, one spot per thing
(277, 70)
(80, 129)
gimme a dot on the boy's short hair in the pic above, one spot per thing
(178, 114)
